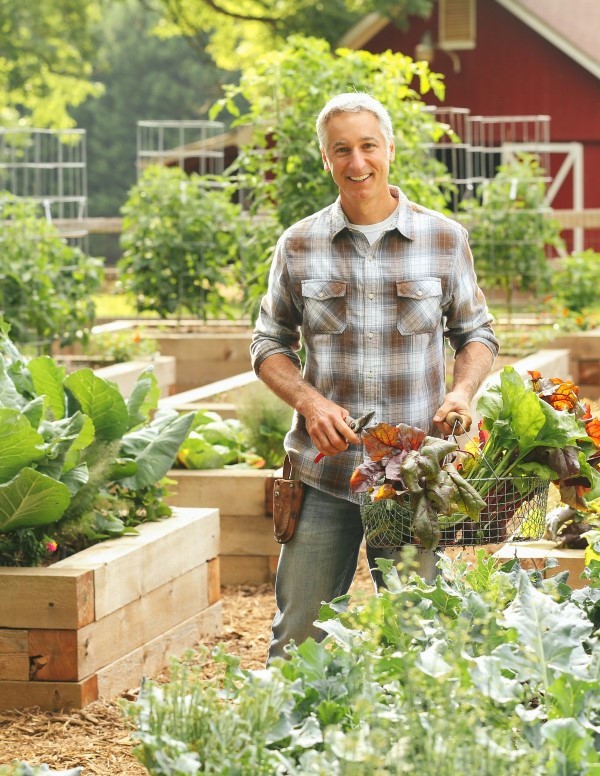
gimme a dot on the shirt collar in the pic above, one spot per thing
(404, 216)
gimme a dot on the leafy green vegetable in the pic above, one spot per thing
(75, 454)
(489, 671)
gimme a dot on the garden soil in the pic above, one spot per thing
(97, 737)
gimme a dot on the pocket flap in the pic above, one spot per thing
(323, 289)
(419, 289)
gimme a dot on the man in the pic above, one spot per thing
(374, 283)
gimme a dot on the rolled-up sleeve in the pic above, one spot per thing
(467, 316)
(277, 328)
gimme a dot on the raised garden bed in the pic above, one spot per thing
(204, 352)
(244, 498)
(92, 625)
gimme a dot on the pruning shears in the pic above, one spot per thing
(356, 424)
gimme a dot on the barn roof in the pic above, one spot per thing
(573, 27)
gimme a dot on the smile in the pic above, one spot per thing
(360, 178)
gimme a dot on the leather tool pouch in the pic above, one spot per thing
(287, 500)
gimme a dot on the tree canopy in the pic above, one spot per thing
(242, 30)
(45, 54)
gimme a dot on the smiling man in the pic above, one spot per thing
(372, 284)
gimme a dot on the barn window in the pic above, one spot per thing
(456, 24)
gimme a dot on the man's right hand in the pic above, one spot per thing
(326, 426)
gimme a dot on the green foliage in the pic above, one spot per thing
(142, 78)
(47, 285)
(488, 671)
(575, 284)
(214, 443)
(531, 437)
(510, 229)
(266, 420)
(79, 460)
(120, 346)
(181, 244)
(241, 31)
(45, 53)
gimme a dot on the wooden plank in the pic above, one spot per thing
(209, 390)
(533, 555)
(53, 655)
(125, 374)
(247, 536)
(128, 671)
(120, 632)
(127, 568)
(46, 597)
(233, 493)
(52, 696)
(14, 660)
(214, 581)
(246, 570)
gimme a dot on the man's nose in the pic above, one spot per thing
(357, 158)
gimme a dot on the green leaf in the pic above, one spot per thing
(31, 499)
(157, 457)
(48, 378)
(75, 478)
(102, 401)
(20, 444)
(550, 636)
(9, 396)
(143, 398)
(570, 747)
(487, 675)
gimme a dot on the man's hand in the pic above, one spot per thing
(326, 426)
(458, 403)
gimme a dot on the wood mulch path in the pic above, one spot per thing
(97, 737)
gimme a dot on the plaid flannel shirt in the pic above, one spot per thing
(373, 321)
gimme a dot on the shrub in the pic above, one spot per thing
(46, 285)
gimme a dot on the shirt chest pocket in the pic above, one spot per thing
(419, 305)
(324, 306)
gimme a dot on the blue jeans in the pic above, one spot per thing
(317, 565)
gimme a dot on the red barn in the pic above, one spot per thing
(535, 63)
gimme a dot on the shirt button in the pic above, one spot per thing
(370, 335)
(322, 294)
(419, 293)
(371, 296)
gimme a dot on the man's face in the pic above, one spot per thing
(358, 156)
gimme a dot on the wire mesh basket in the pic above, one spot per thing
(515, 509)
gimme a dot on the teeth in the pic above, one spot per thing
(360, 177)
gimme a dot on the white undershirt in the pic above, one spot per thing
(374, 231)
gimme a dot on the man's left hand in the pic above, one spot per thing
(454, 402)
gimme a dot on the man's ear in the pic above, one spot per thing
(392, 152)
(326, 166)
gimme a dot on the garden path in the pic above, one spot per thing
(97, 737)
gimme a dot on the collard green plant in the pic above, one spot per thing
(46, 285)
(78, 459)
(488, 671)
(182, 240)
(511, 229)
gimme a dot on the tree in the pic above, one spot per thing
(242, 30)
(143, 78)
(45, 54)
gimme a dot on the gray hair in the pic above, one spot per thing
(354, 102)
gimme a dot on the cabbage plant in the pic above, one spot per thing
(77, 455)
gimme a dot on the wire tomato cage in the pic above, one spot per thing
(515, 510)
